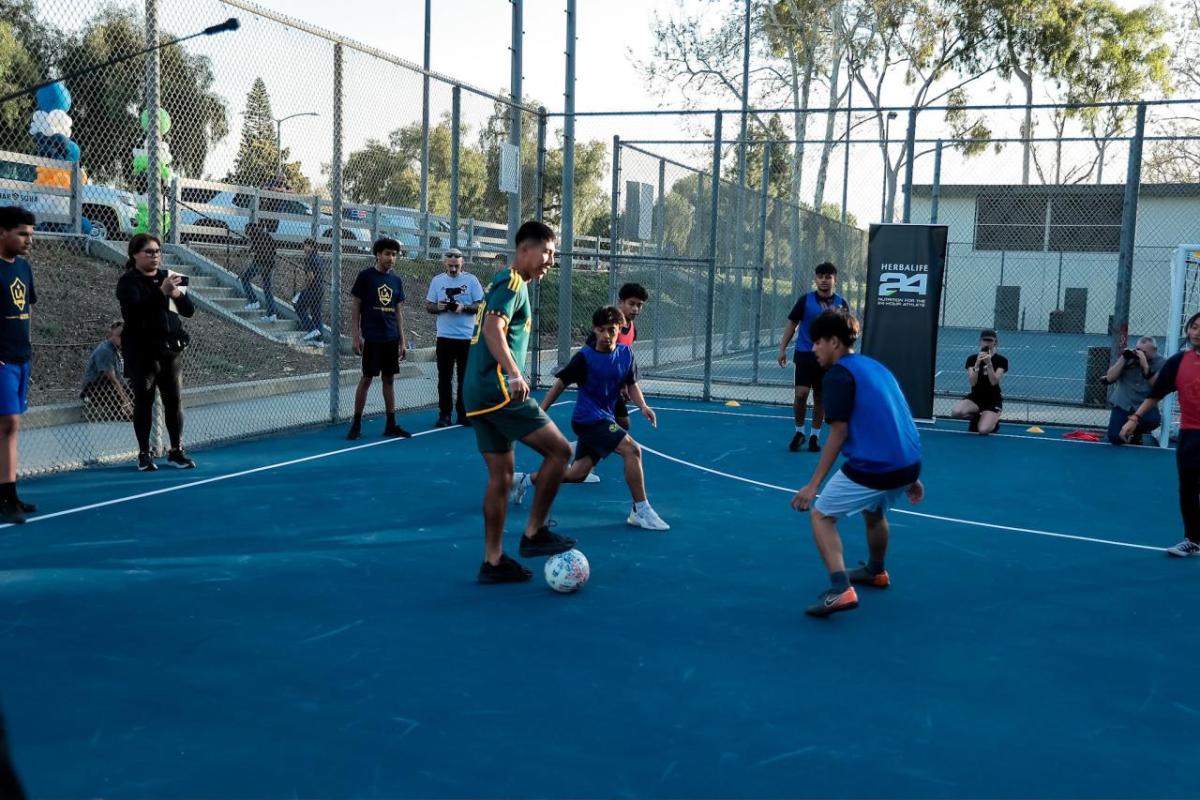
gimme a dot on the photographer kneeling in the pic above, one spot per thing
(152, 301)
(1131, 377)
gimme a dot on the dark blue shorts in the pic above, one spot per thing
(595, 440)
(14, 389)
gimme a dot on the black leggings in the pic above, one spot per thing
(164, 373)
(1187, 460)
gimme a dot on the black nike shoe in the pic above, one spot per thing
(180, 460)
(509, 570)
(11, 513)
(814, 446)
(146, 463)
(545, 543)
(443, 421)
(396, 432)
(28, 508)
(794, 444)
(354, 432)
(832, 601)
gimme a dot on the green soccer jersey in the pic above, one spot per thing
(486, 388)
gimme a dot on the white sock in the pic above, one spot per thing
(799, 429)
(642, 506)
(817, 433)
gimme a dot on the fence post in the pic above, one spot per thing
(153, 135)
(173, 213)
(514, 128)
(567, 261)
(910, 143)
(660, 237)
(713, 217)
(425, 128)
(374, 223)
(77, 202)
(762, 257)
(335, 270)
(316, 218)
(696, 252)
(253, 210)
(1133, 179)
(539, 208)
(935, 194)
(614, 231)
(424, 233)
(455, 135)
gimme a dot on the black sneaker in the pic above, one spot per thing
(179, 459)
(545, 543)
(354, 432)
(443, 421)
(11, 513)
(832, 601)
(395, 431)
(509, 570)
(28, 508)
(146, 463)
(794, 444)
(813, 445)
(463, 420)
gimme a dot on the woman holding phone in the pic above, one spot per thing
(152, 301)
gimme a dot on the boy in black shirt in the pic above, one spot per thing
(377, 320)
(17, 297)
(983, 403)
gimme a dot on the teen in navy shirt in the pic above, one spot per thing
(377, 321)
(602, 372)
(871, 424)
(17, 297)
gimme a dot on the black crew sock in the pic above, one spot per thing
(391, 419)
(357, 421)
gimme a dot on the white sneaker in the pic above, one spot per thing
(313, 334)
(521, 484)
(647, 518)
(253, 306)
(1184, 549)
(592, 477)
(269, 318)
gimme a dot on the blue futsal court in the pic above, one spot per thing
(299, 618)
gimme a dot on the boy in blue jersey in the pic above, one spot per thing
(808, 371)
(603, 370)
(17, 297)
(871, 423)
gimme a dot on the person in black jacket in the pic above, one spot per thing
(152, 301)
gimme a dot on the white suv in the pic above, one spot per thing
(191, 198)
(112, 212)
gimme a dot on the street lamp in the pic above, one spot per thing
(279, 138)
(887, 140)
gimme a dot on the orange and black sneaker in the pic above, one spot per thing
(864, 577)
(833, 601)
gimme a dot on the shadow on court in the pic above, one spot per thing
(315, 630)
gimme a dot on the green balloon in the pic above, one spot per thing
(164, 122)
(141, 163)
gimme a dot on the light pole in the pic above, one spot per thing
(887, 140)
(279, 139)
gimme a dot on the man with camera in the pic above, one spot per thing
(983, 403)
(1131, 376)
(454, 296)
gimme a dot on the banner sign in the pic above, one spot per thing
(905, 268)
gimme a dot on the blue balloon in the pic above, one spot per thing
(42, 145)
(54, 97)
(72, 151)
(85, 225)
(56, 147)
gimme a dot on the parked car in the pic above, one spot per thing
(404, 225)
(111, 212)
(229, 211)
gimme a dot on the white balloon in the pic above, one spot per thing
(39, 124)
(58, 121)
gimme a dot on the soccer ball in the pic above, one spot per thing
(567, 572)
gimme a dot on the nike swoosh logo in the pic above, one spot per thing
(832, 600)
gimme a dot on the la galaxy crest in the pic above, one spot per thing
(17, 290)
(385, 295)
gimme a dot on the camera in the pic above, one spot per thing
(452, 292)
(1129, 355)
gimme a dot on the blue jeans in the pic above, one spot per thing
(1117, 418)
(248, 288)
(308, 308)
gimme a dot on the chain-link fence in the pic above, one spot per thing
(285, 151)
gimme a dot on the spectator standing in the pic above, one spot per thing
(16, 350)
(152, 301)
(262, 263)
(312, 296)
(454, 296)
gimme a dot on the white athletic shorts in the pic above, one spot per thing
(842, 497)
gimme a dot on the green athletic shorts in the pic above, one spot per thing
(496, 430)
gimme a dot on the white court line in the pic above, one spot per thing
(218, 478)
(956, 520)
(923, 429)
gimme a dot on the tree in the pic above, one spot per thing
(18, 69)
(108, 103)
(259, 161)
(1176, 157)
